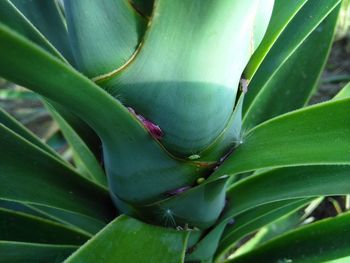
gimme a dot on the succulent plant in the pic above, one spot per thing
(184, 122)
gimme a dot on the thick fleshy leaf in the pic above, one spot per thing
(295, 80)
(104, 34)
(319, 242)
(125, 139)
(46, 17)
(128, 240)
(287, 183)
(228, 139)
(15, 252)
(318, 134)
(16, 226)
(87, 162)
(55, 183)
(253, 219)
(188, 68)
(198, 207)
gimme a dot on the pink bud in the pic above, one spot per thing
(152, 128)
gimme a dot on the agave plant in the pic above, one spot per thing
(184, 122)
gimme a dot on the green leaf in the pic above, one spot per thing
(287, 183)
(295, 80)
(20, 207)
(197, 207)
(76, 220)
(309, 14)
(128, 240)
(318, 134)
(90, 167)
(12, 17)
(40, 12)
(228, 139)
(282, 13)
(124, 138)
(18, 128)
(16, 226)
(17, 252)
(46, 17)
(104, 34)
(251, 220)
(344, 93)
(287, 222)
(202, 68)
(206, 247)
(55, 184)
(324, 240)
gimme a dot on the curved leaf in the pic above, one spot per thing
(319, 242)
(18, 128)
(253, 219)
(287, 183)
(12, 17)
(15, 252)
(89, 167)
(198, 207)
(124, 138)
(128, 240)
(76, 220)
(206, 45)
(294, 81)
(46, 17)
(104, 34)
(15, 226)
(305, 21)
(282, 13)
(55, 183)
(318, 134)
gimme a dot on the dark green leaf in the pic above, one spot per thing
(88, 164)
(42, 179)
(325, 240)
(294, 81)
(46, 17)
(128, 240)
(253, 219)
(13, 18)
(18, 252)
(16, 226)
(287, 183)
(318, 134)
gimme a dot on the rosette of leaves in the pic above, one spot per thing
(186, 130)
